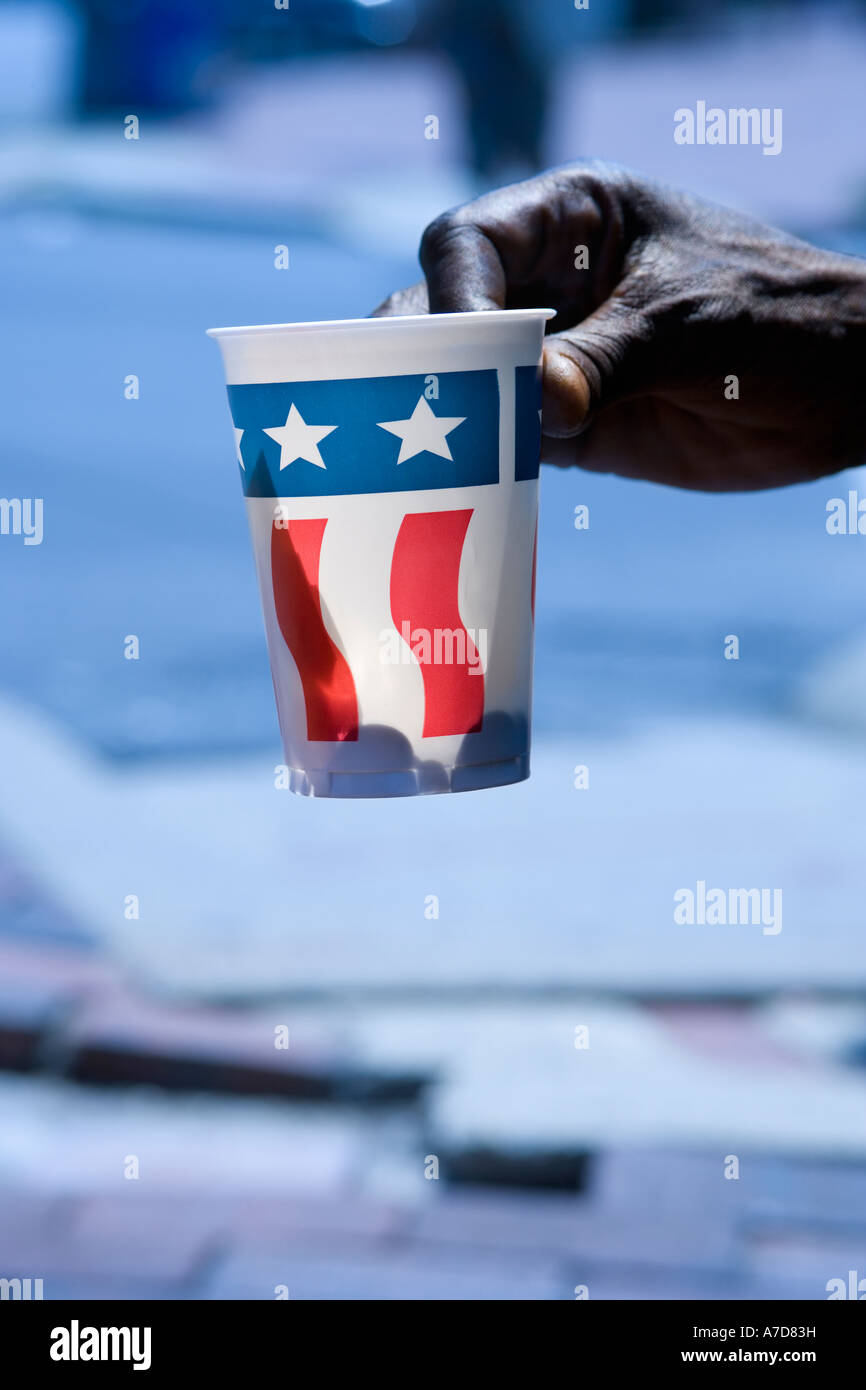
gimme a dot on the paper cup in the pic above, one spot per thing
(390, 469)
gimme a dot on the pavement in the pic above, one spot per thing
(207, 881)
(153, 1148)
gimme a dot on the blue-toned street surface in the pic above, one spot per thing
(581, 1065)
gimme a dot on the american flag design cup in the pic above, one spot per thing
(390, 470)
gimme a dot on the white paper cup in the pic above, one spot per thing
(390, 468)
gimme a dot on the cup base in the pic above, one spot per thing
(426, 780)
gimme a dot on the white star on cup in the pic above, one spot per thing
(423, 431)
(298, 440)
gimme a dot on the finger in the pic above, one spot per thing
(463, 267)
(409, 301)
(617, 443)
(599, 361)
(518, 242)
(652, 440)
(565, 393)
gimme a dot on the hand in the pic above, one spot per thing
(679, 297)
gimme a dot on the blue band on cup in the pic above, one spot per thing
(379, 434)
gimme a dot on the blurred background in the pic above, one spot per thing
(509, 1073)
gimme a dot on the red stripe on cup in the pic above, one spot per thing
(424, 572)
(329, 691)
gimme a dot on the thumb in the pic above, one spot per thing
(590, 366)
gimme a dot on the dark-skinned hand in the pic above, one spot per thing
(678, 297)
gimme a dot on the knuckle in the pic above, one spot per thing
(438, 233)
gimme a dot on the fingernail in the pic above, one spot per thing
(566, 395)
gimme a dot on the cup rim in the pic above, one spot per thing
(404, 320)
